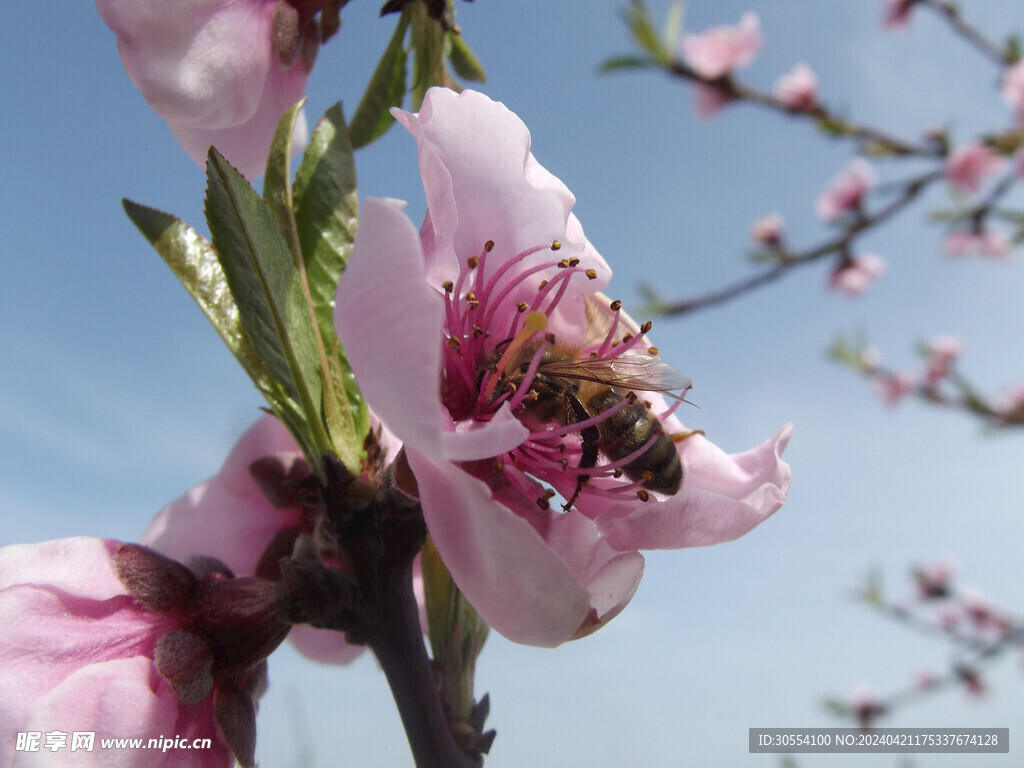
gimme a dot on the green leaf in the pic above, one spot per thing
(195, 263)
(277, 185)
(463, 60)
(616, 63)
(326, 211)
(428, 46)
(275, 312)
(642, 28)
(385, 90)
(326, 203)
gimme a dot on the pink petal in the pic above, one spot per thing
(390, 322)
(201, 63)
(721, 50)
(708, 99)
(723, 497)
(212, 521)
(517, 584)
(77, 566)
(247, 144)
(482, 440)
(483, 183)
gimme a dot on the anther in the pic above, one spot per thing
(646, 327)
(643, 495)
(473, 262)
(591, 274)
(555, 245)
(573, 261)
(563, 264)
(499, 464)
(543, 503)
(648, 404)
(489, 246)
(448, 286)
(564, 463)
(652, 351)
(478, 331)
(532, 394)
(615, 306)
(522, 306)
(550, 338)
(616, 473)
(627, 338)
(549, 493)
(647, 476)
(453, 342)
(542, 284)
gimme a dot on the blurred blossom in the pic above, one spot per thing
(844, 193)
(971, 678)
(869, 358)
(897, 13)
(721, 50)
(866, 706)
(942, 352)
(1010, 405)
(1013, 89)
(893, 387)
(854, 275)
(970, 242)
(768, 230)
(708, 99)
(798, 89)
(967, 166)
(934, 579)
(220, 72)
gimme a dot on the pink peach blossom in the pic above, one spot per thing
(1010, 405)
(708, 100)
(854, 275)
(942, 353)
(499, 256)
(229, 517)
(217, 70)
(768, 230)
(798, 89)
(1012, 88)
(844, 193)
(970, 242)
(77, 653)
(866, 705)
(968, 166)
(897, 13)
(893, 387)
(721, 50)
(934, 580)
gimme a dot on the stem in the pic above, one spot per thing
(402, 655)
(819, 113)
(912, 189)
(968, 32)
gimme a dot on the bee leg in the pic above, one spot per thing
(588, 459)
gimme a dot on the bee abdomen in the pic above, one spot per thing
(629, 430)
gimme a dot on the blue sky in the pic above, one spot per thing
(117, 395)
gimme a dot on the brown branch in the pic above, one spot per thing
(912, 189)
(827, 119)
(998, 54)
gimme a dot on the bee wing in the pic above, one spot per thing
(644, 373)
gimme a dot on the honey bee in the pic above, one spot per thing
(569, 387)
